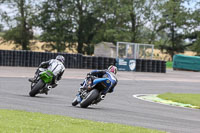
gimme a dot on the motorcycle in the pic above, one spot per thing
(43, 82)
(91, 90)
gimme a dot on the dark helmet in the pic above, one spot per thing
(112, 69)
(60, 58)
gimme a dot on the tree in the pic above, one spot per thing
(55, 21)
(174, 22)
(194, 36)
(123, 20)
(20, 22)
(85, 23)
(1, 27)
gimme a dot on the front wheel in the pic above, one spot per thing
(75, 102)
(90, 98)
(35, 89)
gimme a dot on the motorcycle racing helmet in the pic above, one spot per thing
(60, 58)
(112, 69)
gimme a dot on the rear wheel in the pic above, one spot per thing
(90, 98)
(35, 89)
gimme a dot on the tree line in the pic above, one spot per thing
(172, 25)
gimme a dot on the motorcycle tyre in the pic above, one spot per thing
(36, 88)
(90, 98)
(75, 102)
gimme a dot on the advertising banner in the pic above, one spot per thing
(126, 64)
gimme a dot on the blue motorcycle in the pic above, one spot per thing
(91, 90)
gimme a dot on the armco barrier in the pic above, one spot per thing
(33, 59)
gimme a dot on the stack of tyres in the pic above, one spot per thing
(75, 60)
(4, 58)
(85, 62)
(94, 62)
(112, 61)
(21, 58)
(37, 59)
(144, 65)
(138, 65)
(89, 62)
(154, 65)
(100, 63)
(163, 66)
(1, 57)
(158, 66)
(7, 56)
(149, 65)
(66, 60)
(106, 62)
(43, 56)
(79, 61)
(71, 61)
(26, 61)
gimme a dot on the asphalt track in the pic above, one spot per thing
(119, 107)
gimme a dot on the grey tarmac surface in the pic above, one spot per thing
(119, 107)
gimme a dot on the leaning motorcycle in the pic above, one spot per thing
(91, 90)
(43, 82)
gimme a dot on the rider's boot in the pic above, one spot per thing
(32, 80)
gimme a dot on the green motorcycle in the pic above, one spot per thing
(43, 83)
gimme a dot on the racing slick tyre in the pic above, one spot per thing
(75, 102)
(89, 99)
(35, 89)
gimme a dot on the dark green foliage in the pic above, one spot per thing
(54, 20)
(83, 23)
(21, 32)
(173, 26)
(20, 38)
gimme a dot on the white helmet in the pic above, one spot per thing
(60, 58)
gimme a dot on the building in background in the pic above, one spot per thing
(105, 49)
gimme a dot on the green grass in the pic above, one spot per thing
(12, 121)
(193, 99)
(169, 64)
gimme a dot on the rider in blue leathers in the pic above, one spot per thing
(109, 73)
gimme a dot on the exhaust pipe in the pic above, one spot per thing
(49, 87)
(102, 97)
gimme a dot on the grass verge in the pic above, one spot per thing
(192, 99)
(169, 64)
(12, 121)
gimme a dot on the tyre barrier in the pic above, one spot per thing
(100, 63)
(33, 59)
(144, 65)
(149, 65)
(138, 65)
(94, 62)
(158, 67)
